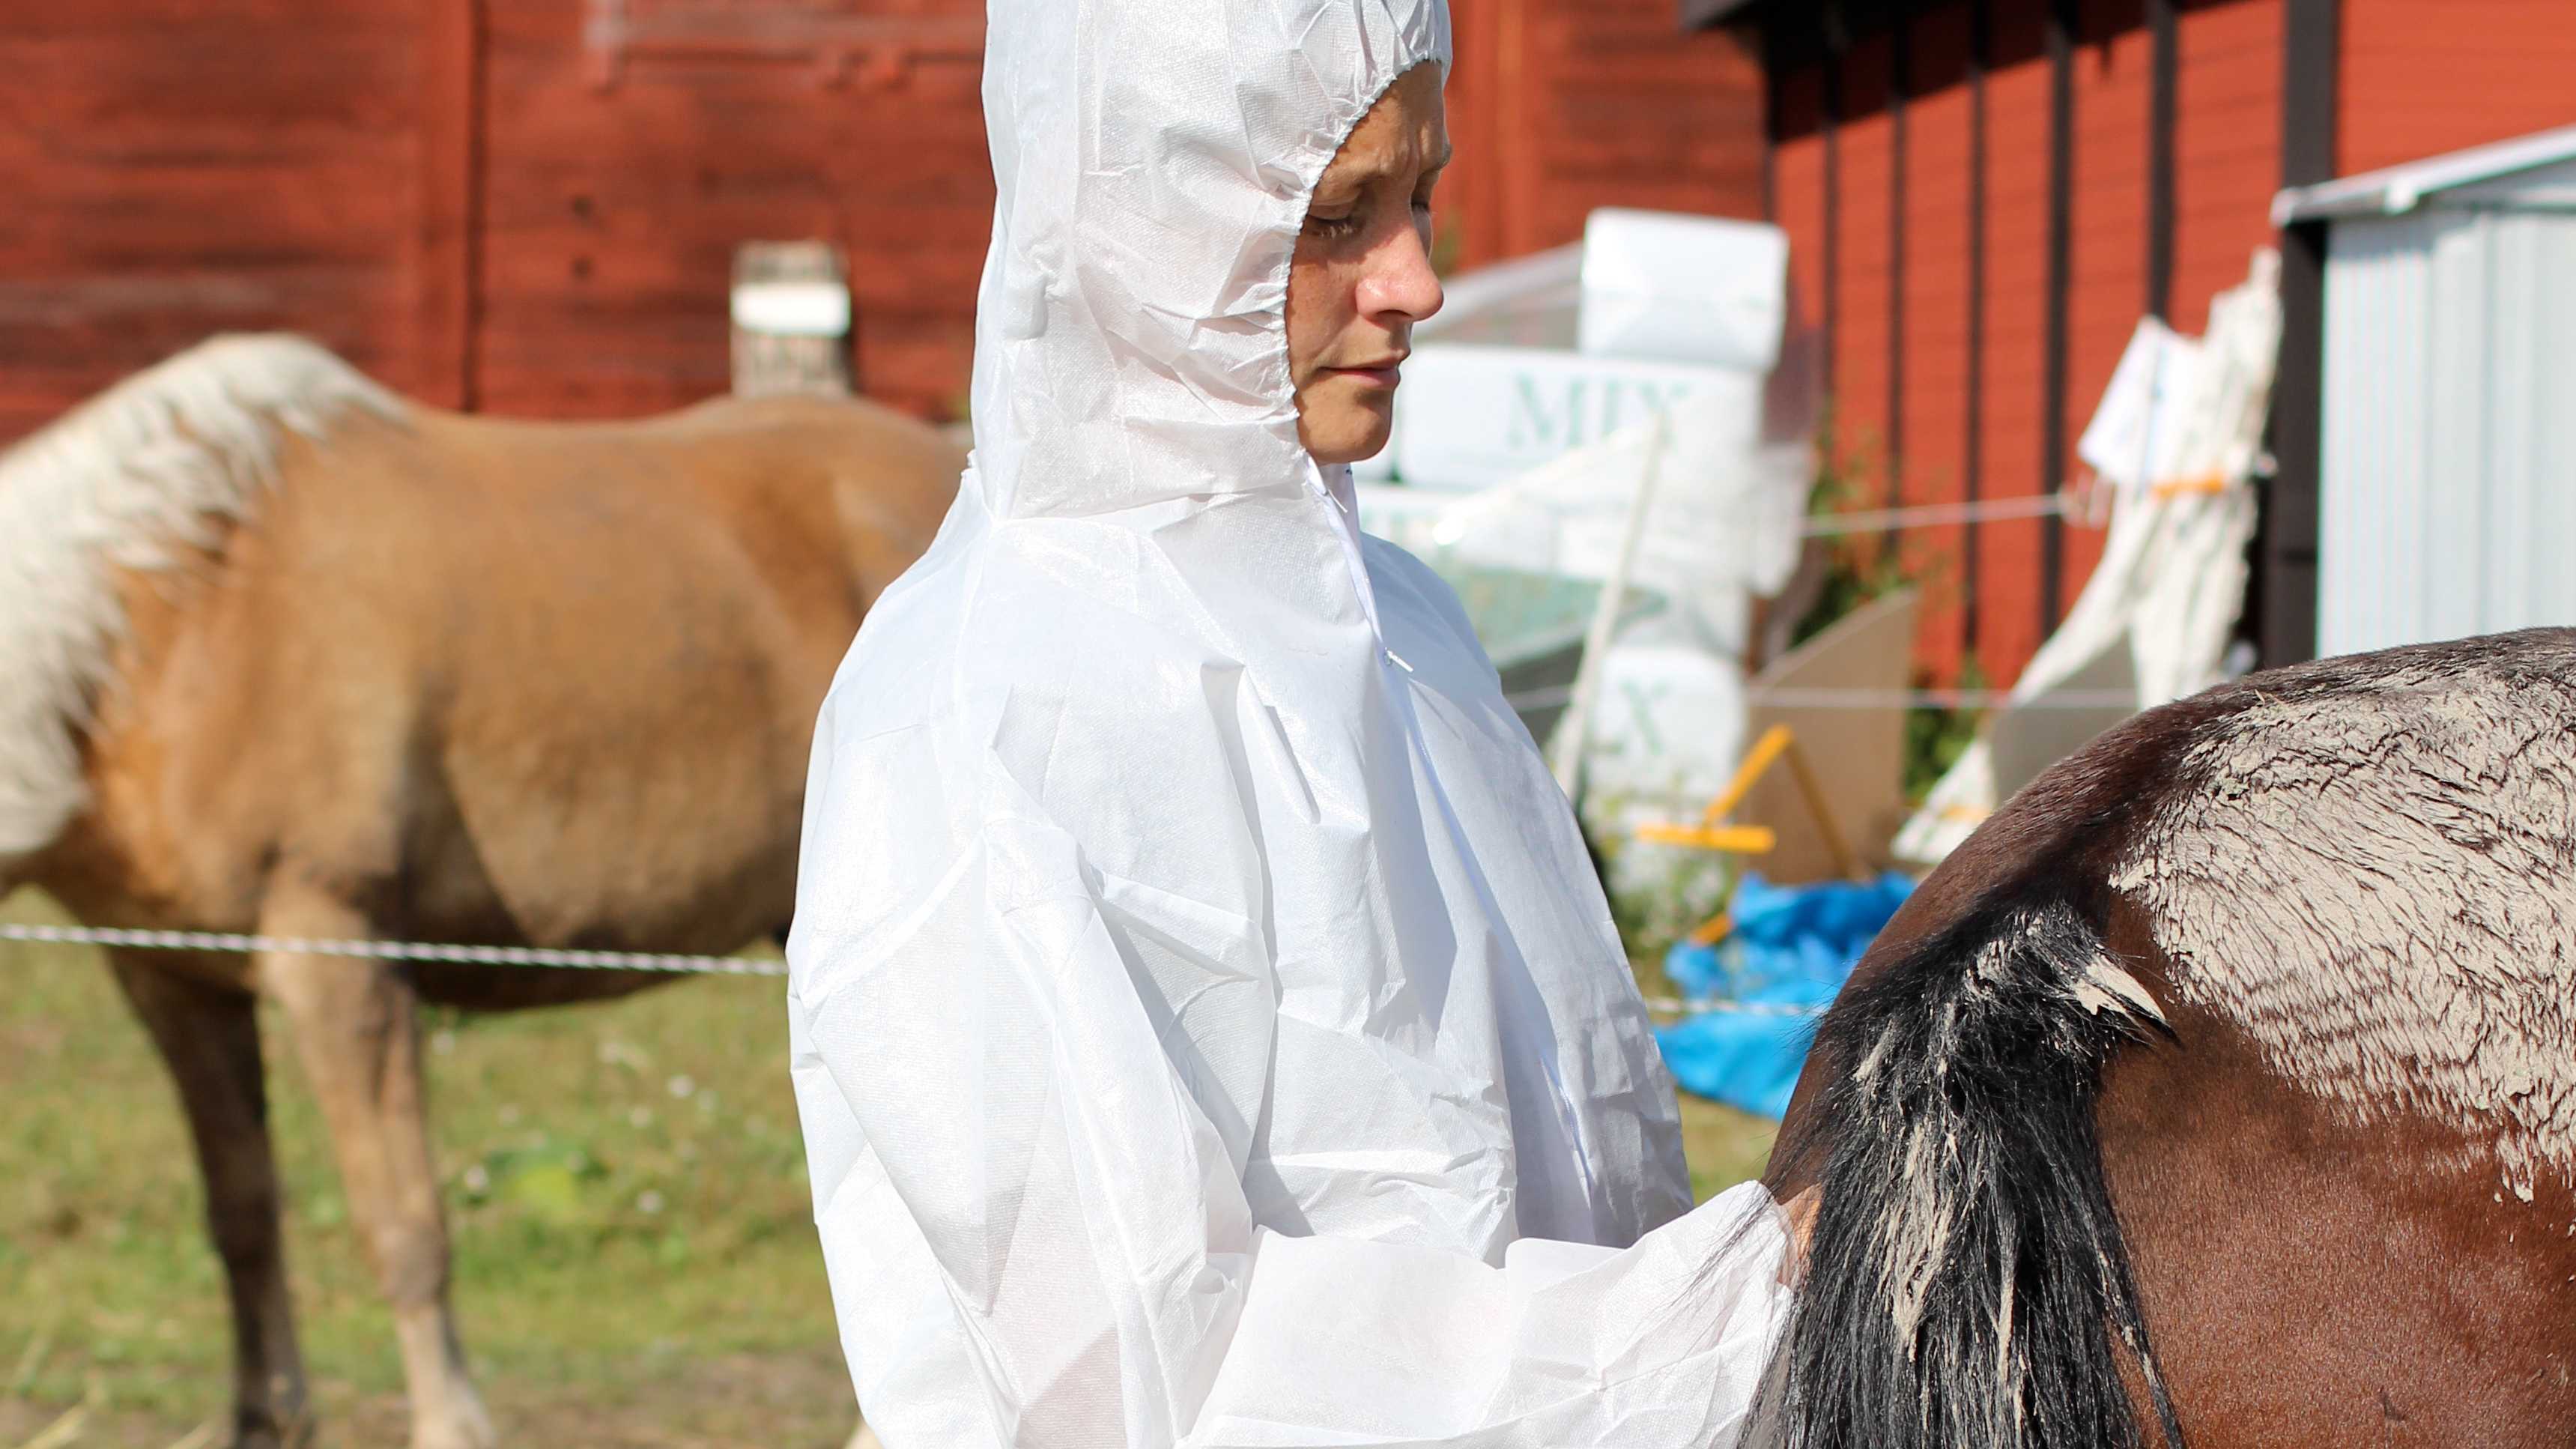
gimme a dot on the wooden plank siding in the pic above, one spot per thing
(1560, 106)
(1949, 337)
(1865, 248)
(612, 211)
(176, 169)
(2016, 335)
(2421, 80)
(1799, 192)
(1936, 293)
(2114, 64)
(2227, 147)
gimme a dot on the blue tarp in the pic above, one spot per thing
(1790, 951)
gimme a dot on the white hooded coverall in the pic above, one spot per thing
(1206, 1024)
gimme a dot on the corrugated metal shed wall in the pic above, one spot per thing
(2449, 498)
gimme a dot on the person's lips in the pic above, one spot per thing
(1382, 372)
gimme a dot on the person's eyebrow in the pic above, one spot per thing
(1356, 177)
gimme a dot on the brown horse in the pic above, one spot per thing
(283, 653)
(2220, 1090)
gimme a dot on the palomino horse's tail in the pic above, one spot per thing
(130, 480)
(1967, 1283)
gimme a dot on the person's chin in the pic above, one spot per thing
(1360, 439)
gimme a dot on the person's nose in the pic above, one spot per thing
(1400, 286)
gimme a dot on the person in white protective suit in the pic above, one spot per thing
(1207, 1026)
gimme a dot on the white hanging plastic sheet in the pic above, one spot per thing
(2180, 435)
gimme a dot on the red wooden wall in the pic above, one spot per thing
(620, 176)
(532, 207)
(1930, 397)
(2227, 148)
(2422, 79)
(1559, 106)
(174, 168)
(1940, 358)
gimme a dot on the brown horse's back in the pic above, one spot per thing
(502, 681)
(2361, 894)
(2246, 1032)
(2312, 1282)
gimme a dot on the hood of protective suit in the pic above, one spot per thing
(1200, 991)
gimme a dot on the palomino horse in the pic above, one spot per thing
(2220, 1090)
(283, 653)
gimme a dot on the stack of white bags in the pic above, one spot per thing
(1531, 457)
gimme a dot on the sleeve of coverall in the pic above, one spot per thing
(1056, 1240)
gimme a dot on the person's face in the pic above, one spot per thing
(1361, 276)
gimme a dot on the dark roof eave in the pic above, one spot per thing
(1702, 14)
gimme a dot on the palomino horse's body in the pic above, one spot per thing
(286, 654)
(2221, 1089)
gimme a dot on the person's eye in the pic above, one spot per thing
(1333, 226)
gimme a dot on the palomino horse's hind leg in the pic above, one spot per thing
(358, 1032)
(209, 1036)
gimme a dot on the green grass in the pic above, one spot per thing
(635, 1259)
(625, 1183)
(1724, 1146)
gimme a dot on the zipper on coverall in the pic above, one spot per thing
(1346, 527)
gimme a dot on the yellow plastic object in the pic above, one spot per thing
(1774, 743)
(1740, 839)
(2181, 487)
(1714, 833)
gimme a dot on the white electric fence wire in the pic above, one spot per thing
(1676, 1006)
(540, 956)
(1938, 515)
(545, 957)
(1797, 698)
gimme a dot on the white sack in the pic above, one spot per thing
(1723, 524)
(2179, 435)
(1525, 301)
(1199, 992)
(1683, 288)
(1475, 416)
